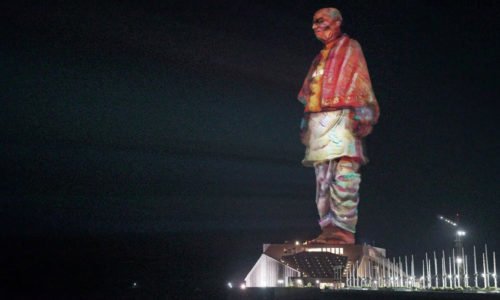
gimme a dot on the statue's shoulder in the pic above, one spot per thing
(354, 44)
(347, 42)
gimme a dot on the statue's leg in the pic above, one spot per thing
(337, 184)
(344, 194)
(324, 177)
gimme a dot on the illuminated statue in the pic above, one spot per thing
(340, 109)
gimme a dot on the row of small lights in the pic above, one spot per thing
(242, 286)
(447, 221)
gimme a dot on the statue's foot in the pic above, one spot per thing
(333, 235)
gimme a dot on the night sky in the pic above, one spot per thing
(179, 116)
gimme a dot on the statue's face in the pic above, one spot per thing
(325, 28)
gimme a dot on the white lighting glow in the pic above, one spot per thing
(243, 286)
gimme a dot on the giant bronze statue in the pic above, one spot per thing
(340, 110)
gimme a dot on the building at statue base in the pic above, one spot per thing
(324, 266)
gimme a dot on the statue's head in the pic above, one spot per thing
(326, 24)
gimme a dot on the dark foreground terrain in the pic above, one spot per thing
(187, 265)
(305, 294)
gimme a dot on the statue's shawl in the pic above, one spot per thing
(346, 81)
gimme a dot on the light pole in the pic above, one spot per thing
(459, 246)
(459, 243)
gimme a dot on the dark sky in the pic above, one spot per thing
(172, 116)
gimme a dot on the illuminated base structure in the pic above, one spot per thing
(336, 267)
(324, 266)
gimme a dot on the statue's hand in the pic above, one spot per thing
(363, 115)
(362, 121)
(363, 130)
(304, 136)
(304, 132)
